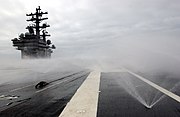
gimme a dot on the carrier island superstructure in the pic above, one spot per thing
(34, 43)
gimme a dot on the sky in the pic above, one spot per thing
(130, 31)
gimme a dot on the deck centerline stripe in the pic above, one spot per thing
(85, 100)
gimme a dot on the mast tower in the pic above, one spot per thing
(34, 43)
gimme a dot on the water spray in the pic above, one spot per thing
(148, 107)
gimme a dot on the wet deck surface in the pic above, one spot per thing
(121, 95)
(46, 102)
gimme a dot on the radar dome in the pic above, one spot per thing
(27, 34)
(21, 35)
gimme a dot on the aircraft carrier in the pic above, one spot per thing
(73, 91)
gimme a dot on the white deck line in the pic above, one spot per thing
(51, 86)
(16, 89)
(165, 91)
(21, 88)
(85, 100)
(62, 81)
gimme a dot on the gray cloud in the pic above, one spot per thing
(133, 31)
